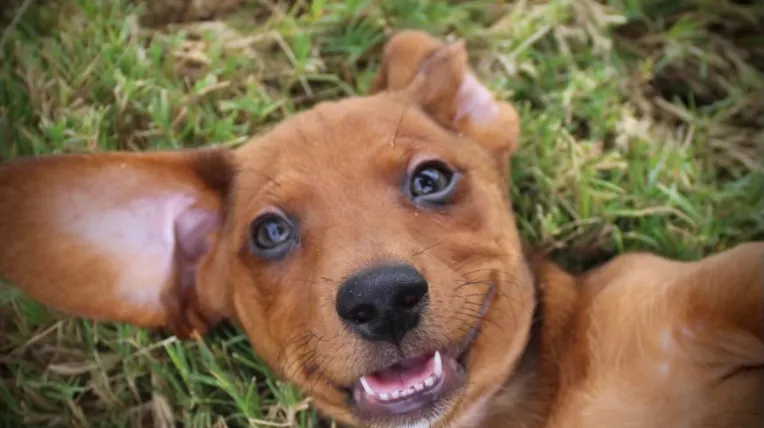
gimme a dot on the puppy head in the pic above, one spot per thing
(367, 247)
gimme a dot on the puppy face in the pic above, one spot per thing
(373, 260)
(367, 247)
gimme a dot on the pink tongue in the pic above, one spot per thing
(402, 375)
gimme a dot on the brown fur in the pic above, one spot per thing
(640, 342)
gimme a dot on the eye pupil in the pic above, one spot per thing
(427, 181)
(276, 231)
(430, 180)
(272, 232)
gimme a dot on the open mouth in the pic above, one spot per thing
(410, 385)
(414, 386)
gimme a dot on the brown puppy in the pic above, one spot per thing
(368, 249)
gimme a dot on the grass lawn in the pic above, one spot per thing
(642, 129)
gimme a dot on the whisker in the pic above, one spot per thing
(406, 107)
(420, 252)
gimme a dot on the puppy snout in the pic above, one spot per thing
(384, 302)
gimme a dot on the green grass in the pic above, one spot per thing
(642, 130)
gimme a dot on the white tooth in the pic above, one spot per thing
(412, 391)
(429, 382)
(419, 387)
(367, 388)
(438, 370)
(384, 396)
(404, 393)
(396, 395)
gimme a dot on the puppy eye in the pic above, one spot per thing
(432, 182)
(273, 236)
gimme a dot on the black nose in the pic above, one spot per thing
(383, 302)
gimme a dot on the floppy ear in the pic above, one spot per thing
(116, 236)
(439, 79)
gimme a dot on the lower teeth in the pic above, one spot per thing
(428, 383)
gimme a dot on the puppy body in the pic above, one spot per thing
(666, 343)
(644, 342)
(368, 250)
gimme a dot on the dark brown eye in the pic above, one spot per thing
(432, 182)
(273, 235)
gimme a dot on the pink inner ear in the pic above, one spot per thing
(475, 100)
(147, 240)
(192, 229)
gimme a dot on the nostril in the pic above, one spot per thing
(363, 314)
(411, 300)
(411, 297)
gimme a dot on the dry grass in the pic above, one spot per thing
(642, 130)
